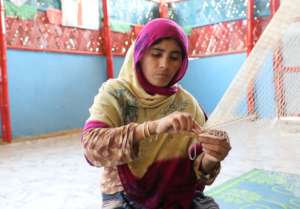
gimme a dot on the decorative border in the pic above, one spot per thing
(223, 38)
(41, 35)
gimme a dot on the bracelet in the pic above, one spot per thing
(146, 130)
(143, 130)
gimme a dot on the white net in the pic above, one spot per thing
(267, 87)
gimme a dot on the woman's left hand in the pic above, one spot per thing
(215, 144)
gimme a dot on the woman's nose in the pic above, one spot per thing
(163, 62)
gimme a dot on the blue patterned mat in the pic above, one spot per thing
(259, 189)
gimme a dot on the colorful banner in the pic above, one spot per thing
(133, 11)
(197, 13)
(24, 9)
(44, 5)
(81, 13)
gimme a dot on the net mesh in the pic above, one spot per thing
(267, 86)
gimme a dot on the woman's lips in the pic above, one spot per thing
(162, 75)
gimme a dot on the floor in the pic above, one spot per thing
(52, 173)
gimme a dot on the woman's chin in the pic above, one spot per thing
(160, 83)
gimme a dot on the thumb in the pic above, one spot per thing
(197, 128)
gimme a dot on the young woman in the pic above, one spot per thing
(143, 128)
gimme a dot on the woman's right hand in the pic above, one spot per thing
(173, 123)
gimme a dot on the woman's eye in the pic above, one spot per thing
(156, 54)
(175, 57)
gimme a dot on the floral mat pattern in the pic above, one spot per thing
(259, 189)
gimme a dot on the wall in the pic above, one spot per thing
(52, 92)
(208, 78)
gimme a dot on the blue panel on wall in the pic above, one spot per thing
(198, 13)
(51, 92)
(208, 78)
(118, 62)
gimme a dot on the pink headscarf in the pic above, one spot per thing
(153, 31)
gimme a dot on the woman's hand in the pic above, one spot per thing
(174, 123)
(215, 144)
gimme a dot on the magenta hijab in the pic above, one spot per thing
(154, 30)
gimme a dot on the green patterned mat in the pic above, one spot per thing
(259, 189)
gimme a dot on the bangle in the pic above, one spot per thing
(143, 130)
(146, 130)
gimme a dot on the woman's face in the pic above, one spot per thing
(161, 62)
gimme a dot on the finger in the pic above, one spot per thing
(212, 158)
(183, 122)
(214, 154)
(196, 131)
(197, 127)
(219, 133)
(212, 136)
(189, 122)
(208, 135)
(209, 139)
(213, 147)
(176, 125)
(223, 151)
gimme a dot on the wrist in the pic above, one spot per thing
(152, 127)
(139, 132)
